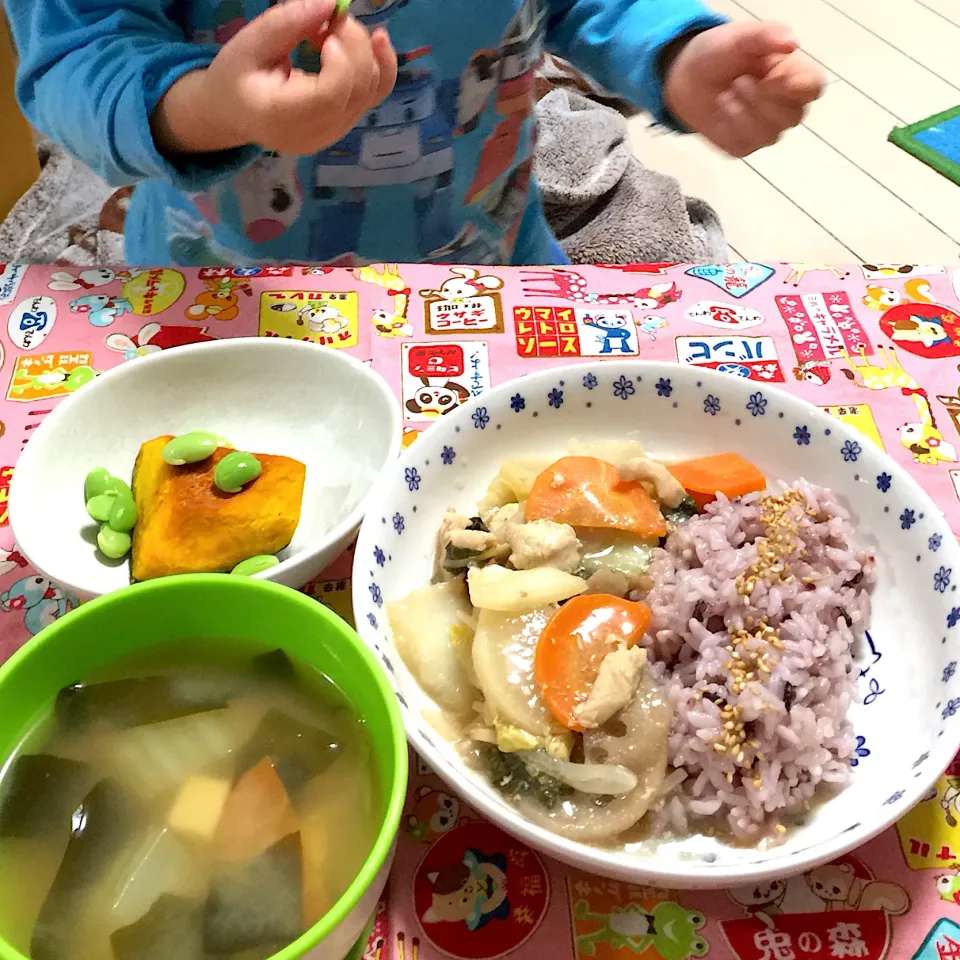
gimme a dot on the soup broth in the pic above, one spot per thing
(199, 800)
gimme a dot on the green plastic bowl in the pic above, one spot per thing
(212, 605)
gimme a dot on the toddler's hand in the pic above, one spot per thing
(741, 85)
(250, 93)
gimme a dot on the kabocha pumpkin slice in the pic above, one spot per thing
(187, 525)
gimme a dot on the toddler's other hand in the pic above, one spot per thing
(262, 99)
(741, 85)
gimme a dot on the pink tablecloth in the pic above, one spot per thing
(440, 335)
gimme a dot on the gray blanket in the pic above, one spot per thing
(602, 203)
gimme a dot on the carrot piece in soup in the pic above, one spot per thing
(256, 815)
(586, 492)
(726, 473)
(573, 644)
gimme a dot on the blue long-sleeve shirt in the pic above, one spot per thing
(440, 171)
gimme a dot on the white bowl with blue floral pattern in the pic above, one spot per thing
(907, 722)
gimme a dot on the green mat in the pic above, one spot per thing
(935, 141)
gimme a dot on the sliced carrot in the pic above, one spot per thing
(256, 815)
(726, 473)
(586, 492)
(575, 641)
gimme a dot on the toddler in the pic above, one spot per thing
(260, 131)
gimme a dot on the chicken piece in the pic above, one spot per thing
(477, 541)
(543, 543)
(610, 582)
(614, 688)
(511, 514)
(668, 490)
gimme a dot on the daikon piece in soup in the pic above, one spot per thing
(198, 800)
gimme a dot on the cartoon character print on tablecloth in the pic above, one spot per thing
(394, 321)
(31, 322)
(834, 911)
(433, 814)
(154, 337)
(11, 276)
(479, 893)
(736, 279)
(509, 75)
(50, 375)
(941, 943)
(922, 437)
(823, 327)
(379, 934)
(817, 372)
(327, 318)
(887, 271)
(220, 300)
(11, 560)
(884, 298)
(752, 358)
(100, 309)
(573, 287)
(468, 302)
(41, 602)
(613, 920)
(925, 329)
(929, 834)
(580, 332)
(87, 280)
(6, 475)
(437, 377)
(798, 272)
(860, 417)
(732, 317)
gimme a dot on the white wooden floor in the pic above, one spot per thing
(834, 190)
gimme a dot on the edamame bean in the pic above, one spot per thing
(235, 470)
(99, 507)
(341, 8)
(123, 514)
(113, 543)
(95, 483)
(254, 565)
(190, 447)
(119, 488)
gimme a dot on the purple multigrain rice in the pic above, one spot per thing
(796, 733)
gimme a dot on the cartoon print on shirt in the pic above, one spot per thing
(191, 243)
(100, 309)
(407, 139)
(374, 13)
(922, 438)
(507, 205)
(883, 298)
(509, 74)
(40, 600)
(152, 337)
(269, 196)
(570, 285)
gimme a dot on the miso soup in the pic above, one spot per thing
(201, 800)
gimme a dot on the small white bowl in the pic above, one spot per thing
(909, 716)
(320, 406)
